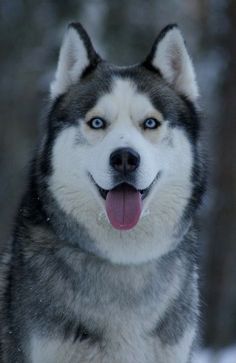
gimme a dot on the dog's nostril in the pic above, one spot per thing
(125, 160)
(117, 161)
(132, 160)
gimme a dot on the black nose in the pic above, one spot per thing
(124, 160)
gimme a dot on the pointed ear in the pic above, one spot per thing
(76, 57)
(169, 56)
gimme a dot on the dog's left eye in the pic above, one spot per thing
(151, 123)
(97, 123)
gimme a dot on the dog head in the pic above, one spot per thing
(123, 147)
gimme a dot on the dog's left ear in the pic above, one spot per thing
(169, 56)
(77, 57)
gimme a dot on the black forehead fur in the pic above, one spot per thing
(81, 97)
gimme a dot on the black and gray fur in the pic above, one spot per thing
(55, 285)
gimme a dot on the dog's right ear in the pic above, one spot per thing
(77, 57)
(169, 56)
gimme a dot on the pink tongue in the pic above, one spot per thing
(123, 206)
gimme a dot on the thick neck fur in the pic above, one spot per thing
(113, 303)
(48, 228)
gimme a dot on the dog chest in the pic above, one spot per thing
(125, 348)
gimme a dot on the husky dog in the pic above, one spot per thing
(102, 265)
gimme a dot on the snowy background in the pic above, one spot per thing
(223, 356)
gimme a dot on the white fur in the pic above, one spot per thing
(157, 231)
(56, 351)
(178, 353)
(130, 348)
(46, 350)
(126, 108)
(73, 59)
(173, 60)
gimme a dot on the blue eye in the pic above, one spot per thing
(97, 123)
(151, 123)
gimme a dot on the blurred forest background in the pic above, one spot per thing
(123, 31)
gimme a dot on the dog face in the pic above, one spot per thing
(125, 146)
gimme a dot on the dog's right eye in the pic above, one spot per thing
(97, 123)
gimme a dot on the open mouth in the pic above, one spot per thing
(144, 192)
(124, 203)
